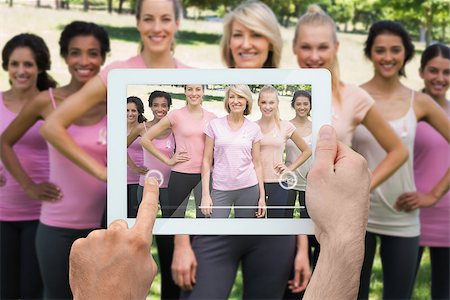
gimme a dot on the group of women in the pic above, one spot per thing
(53, 173)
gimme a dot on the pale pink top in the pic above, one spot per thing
(292, 153)
(135, 62)
(32, 151)
(384, 218)
(233, 160)
(136, 154)
(354, 105)
(272, 149)
(84, 200)
(166, 146)
(189, 137)
(431, 161)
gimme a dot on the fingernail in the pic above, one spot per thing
(326, 132)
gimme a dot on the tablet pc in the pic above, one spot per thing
(130, 82)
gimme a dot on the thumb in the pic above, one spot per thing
(326, 149)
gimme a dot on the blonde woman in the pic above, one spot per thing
(251, 37)
(233, 142)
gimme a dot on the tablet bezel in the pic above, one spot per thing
(118, 82)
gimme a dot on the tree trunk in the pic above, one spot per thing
(120, 6)
(10, 3)
(38, 3)
(110, 6)
(86, 5)
(184, 12)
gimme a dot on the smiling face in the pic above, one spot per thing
(436, 77)
(236, 103)
(387, 55)
(157, 25)
(159, 107)
(194, 94)
(302, 107)
(249, 49)
(132, 113)
(84, 57)
(22, 68)
(315, 46)
(268, 104)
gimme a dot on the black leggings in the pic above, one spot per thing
(53, 247)
(440, 269)
(180, 186)
(133, 201)
(398, 259)
(19, 269)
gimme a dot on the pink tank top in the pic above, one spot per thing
(84, 198)
(136, 153)
(166, 146)
(431, 162)
(32, 151)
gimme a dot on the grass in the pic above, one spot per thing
(197, 46)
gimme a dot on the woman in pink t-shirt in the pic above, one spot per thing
(135, 158)
(251, 39)
(79, 199)
(233, 146)
(275, 134)
(190, 143)
(157, 23)
(26, 58)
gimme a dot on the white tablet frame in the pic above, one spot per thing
(120, 79)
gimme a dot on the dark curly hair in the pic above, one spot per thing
(41, 56)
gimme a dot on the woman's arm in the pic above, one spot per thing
(27, 117)
(153, 132)
(302, 269)
(396, 152)
(301, 144)
(75, 106)
(206, 173)
(256, 152)
(134, 134)
(429, 111)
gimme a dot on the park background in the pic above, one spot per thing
(198, 39)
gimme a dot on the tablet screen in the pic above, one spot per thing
(185, 217)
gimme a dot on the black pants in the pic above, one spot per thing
(440, 269)
(132, 197)
(180, 186)
(53, 247)
(398, 259)
(19, 270)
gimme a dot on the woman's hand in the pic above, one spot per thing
(178, 157)
(261, 208)
(206, 205)
(44, 191)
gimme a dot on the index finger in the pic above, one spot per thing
(148, 209)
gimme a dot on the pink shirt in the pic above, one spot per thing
(32, 151)
(189, 137)
(136, 154)
(354, 105)
(167, 147)
(233, 160)
(135, 62)
(431, 161)
(84, 200)
(272, 149)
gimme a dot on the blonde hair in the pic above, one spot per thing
(259, 18)
(269, 89)
(317, 17)
(241, 90)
